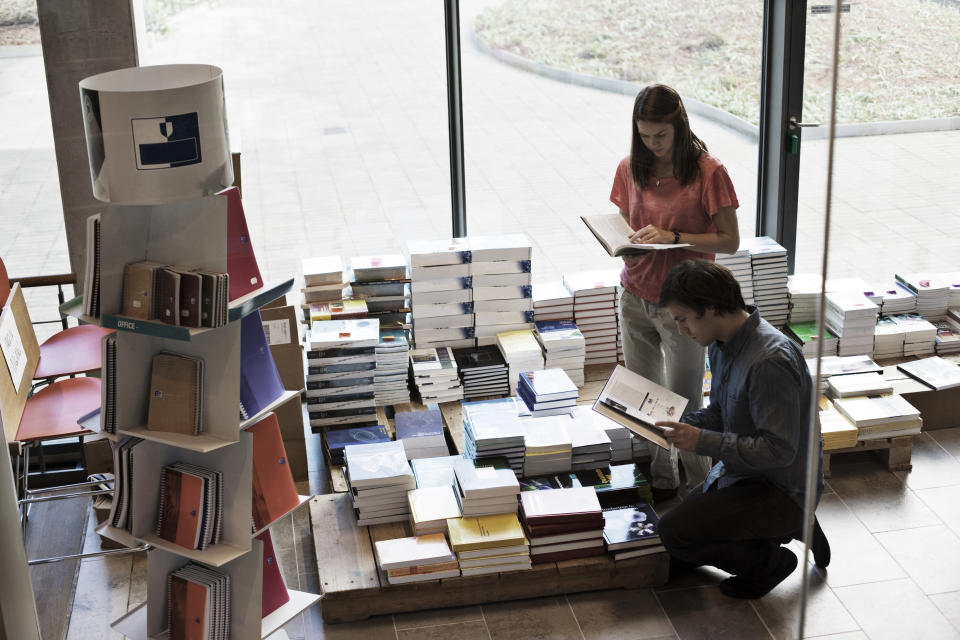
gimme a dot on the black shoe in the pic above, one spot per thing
(820, 547)
(750, 588)
(662, 495)
(680, 568)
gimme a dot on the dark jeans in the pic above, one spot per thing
(737, 529)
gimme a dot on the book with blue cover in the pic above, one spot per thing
(412, 424)
(548, 385)
(334, 440)
(260, 382)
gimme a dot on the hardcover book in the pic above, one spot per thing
(631, 526)
(376, 464)
(613, 232)
(413, 551)
(485, 532)
(274, 491)
(636, 403)
(260, 382)
(560, 506)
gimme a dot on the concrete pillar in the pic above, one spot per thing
(80, 38)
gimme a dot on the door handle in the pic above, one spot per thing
(796, 125)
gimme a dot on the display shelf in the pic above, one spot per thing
(216, 555)
(299, 602)
(202, 443)
(120, 536)
(133, 625)
(302, 500)
(284, 397)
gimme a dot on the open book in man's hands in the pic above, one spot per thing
(614, 233)
(636, 403)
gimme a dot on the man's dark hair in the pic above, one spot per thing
(701, 285)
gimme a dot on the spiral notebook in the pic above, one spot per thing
(198, 603)
(274, 593)
(274, 491)
(169, 296)
(108, 386)
(260, 382)
(191, 506)
(91, 282)
(121, 510)
(176, 394)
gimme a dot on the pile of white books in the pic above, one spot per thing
(548, 392)
(953, 317)
(381, 282)
(853, 318)
(838, 366)
(552, 301)
(563, 523)
(858, 384)
(323, 279)
(895, 298)
(804, 290)
(854, 284)
(806, 335)
(952, 279)
(522, 352)
(393, 362)
(880, 416)
(888, 338)
(934, 372)
(492, 429)
(621, 440)
(595, 312)
(768, 261)
(489, 544)
(431, 507)
(483, 372)
(379, 477)
(502, 292)
(548, 448)
(341, 368)
(435, 375)
(421, 433)
(933, 294)
(592, 447)
(485, 491)
(739, 264)
(948, 337)
(564, 347)
(441, 293)
(920, 335)
(416, 559)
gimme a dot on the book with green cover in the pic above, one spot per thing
(616, 485)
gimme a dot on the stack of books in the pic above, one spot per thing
(933, 294)
(191, 506)
(435, 374)
(853, 318)
(621, 440)
(595, 312)
(442, 293)
(854, 284)
(839, 365)
(489, 544)
(895, 298)
(553, 301)
(392, 356)
(804, 291)
(483, 372)
(340, 374)
(616, 485)
(858, 384)
(493, 431)
(522, 352)
(502, 292)
(934, 372)
(739, 265)
(421, 433)
(768, 262)
(948, 337)
(379, 477)
(888, 338)
(592, 447)
(337, 310)
(564, 347)
(430, 507)
(880, 416)
(631, 531)
(334, 440)
(953, 318)
(483, 491)
(562, 523)
(434, 472)
(837, 431)
(805, 334)
(548, 392)
(953, 285)
(920, 335)
(548, 448)
(382, 283)
(416, 559)
(198, 603)
(323, 280)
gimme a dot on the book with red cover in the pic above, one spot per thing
(274, 594)
(188, 609)
(241, 261)
(169, 296)
(561, 506)
(181, 508)
(568, 555)
(274, 492)
(536, 531)
(191, 287)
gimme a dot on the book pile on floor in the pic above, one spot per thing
(564, 347)
(562, 523)
(895, 298)
(489, 544)
(435, 472)
(768, 262)
(340, 373)
(948, 337)
(417, 558)
(880, 416)
(337, 310)
(592, 447)
(502, 292)
(935, 372)
(595, 312)
(430, 507)
(837, 431)
(952, 279)
(621, 439)
(483, 372)
(920, 335)
(933, 294)
(323, 280)
(739, 265)
(434, 372)
(853, 318)
(804, 291)
(547, 446)
(421, 433)
(492, 429)
(334, 440)
(839, 365)
(631, 531)
(806, 335)
(392, 356)
(442, 293)
(483, 491)
(553, 301)
(379, 477)
(381, 282)
(888, 338)
(858, 384)
(522, 352)
(548, 392)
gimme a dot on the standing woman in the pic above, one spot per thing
(670, 190)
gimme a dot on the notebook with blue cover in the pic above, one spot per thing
(260, 382)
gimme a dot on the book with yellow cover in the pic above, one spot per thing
(338, 310)
(485, 532)
(838, 432)
(432, 505)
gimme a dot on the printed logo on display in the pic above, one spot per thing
(167, 142)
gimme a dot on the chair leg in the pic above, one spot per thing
(25, 506)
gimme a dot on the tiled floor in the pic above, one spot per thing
(341, 112)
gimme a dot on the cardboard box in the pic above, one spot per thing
(290, 417)
(296, 451)
(289, 361)
(97, 454)
(280, 323)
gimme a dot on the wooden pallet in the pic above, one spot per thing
(895, 452)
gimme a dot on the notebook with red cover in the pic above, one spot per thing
(241, 261)
(274, 492)
(188, 609)
(191, 288)
(274, 594)
(561, 506)
(181, 508)
(169, 296)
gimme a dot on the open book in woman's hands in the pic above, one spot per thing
(614, 233)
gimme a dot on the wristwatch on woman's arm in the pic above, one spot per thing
(676, 237)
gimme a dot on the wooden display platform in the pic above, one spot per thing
(354, 588)
(895, 452)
